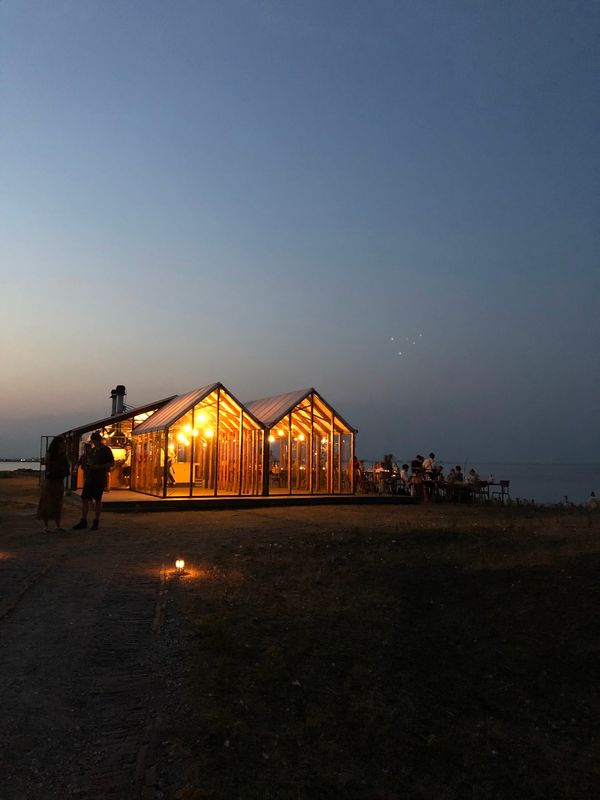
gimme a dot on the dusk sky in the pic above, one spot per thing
(279, 195)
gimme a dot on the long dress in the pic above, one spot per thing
(52, 491)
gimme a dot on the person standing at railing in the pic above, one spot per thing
(473, 477)
(405, 479)
(429, 466)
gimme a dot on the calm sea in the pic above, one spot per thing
(11, 466)
(544, 483)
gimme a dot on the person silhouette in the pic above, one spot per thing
(99, 463)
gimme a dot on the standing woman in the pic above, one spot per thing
(51, 498)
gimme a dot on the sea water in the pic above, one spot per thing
(12, 466)
(544, 483)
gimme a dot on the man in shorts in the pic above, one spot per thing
(99, 463)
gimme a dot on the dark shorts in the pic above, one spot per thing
(92, 490)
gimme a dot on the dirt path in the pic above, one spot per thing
(79, 630)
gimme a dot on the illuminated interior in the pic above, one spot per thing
(310, 450)
(213, 447)
(117, 433)
(206, 443)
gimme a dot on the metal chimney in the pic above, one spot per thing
(113, 397)
(120, 392)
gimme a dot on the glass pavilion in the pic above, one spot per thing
(208, 443)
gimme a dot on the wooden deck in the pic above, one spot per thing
(122, 500)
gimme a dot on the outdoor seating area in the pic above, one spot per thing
(427, 481)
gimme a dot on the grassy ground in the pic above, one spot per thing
(408, 653)
(308, 653)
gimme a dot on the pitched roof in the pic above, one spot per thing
(269, 410)
(178, 406)
(132, 412)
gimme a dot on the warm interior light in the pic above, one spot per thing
(280, 432)
(180, 563)
(209, 433)
(324, 440)
(180, 437)
(301, 437)
(201, 417)
(203, 444)
(119, 453)
(271, 438)
(194, 432)
(188, 429)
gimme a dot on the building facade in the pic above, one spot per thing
(208, 443)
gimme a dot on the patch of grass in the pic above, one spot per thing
(453, 657)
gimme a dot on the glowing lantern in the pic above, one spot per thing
(179, 564)
(301, 437)
(280, 432)
(209, 433)
(271, 439)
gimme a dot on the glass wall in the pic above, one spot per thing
(252, 457)
(229, 443)
(214, 449)
(310, 451)
(346, 472)
(279, 458)
(180, 445)
(148, 463)
(208, 425)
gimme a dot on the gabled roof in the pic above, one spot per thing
(132, 412)
(270, 410)
(178, 406)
